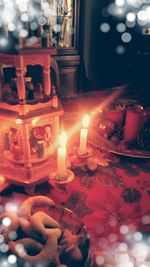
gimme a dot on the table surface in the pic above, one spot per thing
(112, 201)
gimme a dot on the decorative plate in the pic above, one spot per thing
(104, 144)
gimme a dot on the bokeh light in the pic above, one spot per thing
(126, 37)
(130, 24)
(9, 206)
(124, 229)
(12, 259)
(123, 247)
(100, 260)
(6, 221)
(131, 17)
(105, 27)
(12, 235)
(137, 236)
(120, 50)
(120, 3)
(3, 41)
(20, 250)
(121, 27)
(4, 248)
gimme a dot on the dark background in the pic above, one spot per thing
(103, 66)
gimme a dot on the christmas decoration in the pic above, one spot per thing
(143, 140)
(29, 127)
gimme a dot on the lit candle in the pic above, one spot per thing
(62, 156)
(83, 135)
(2, 180)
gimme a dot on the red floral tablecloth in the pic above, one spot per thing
(112, 201)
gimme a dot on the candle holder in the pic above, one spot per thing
(63, 180)
(86, 155)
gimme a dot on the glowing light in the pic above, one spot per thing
(45, 5)
(140, 250)
(121, 27)
(24, 17)
(11, 207)
(100, 260)
(4, 263)
(2, 179)
(12, 259)
(42, 21)
(20, 250)
(124, 258)
(18, 121)
(124, 229)
(6, 221)
(86, 121)
(12, 235)
(3, 41)
(57, 27)
(8, 14)
(47, 13)
(134, 3)
(126, 37)
(135, 11)
(142, 22)
(123, 247)
(126, 264)
(34, 121)
(4, 248)
(23, 5)
(105, 27)
(112, 9)
(119, 3)
(11, 27)
(137, 236)
(148, 12)
(23, 33)
(120, 50)
(131, 17)
(63, 139)
(33, 25)
(142, 15)
(130, 24)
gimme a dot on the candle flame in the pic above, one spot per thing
(86, 121)
(2, 179)
(63, 139)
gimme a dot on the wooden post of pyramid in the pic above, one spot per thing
(46, 76)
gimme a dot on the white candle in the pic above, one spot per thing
(62, 156)
(83, 135)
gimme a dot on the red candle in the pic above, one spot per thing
(133, 124)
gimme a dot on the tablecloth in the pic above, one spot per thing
(113, 202)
